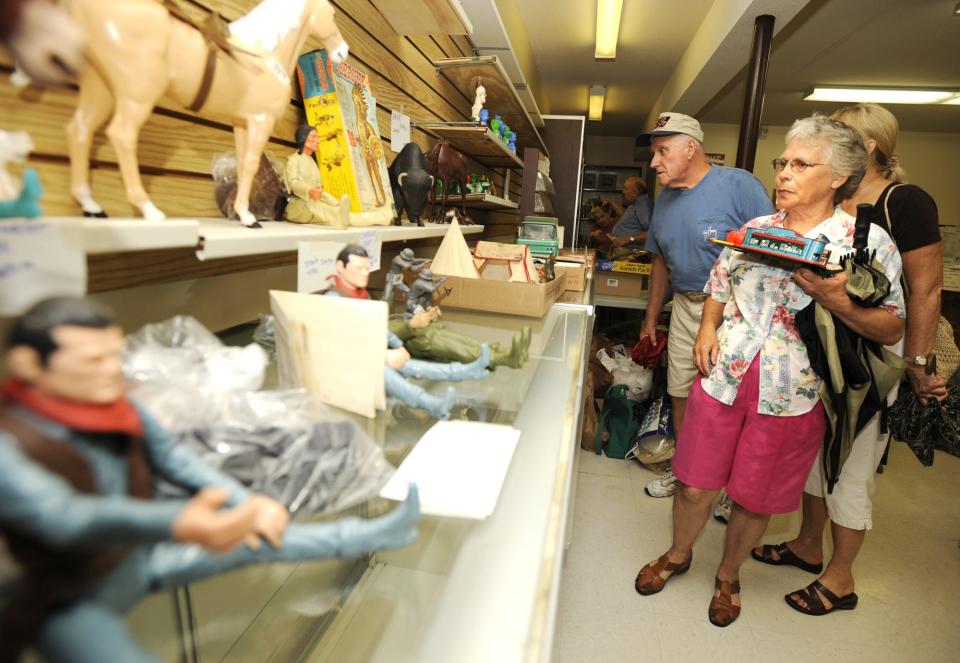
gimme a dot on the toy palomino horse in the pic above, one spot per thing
(448, 166)
(139, 51)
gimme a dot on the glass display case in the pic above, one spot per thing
(465, 590)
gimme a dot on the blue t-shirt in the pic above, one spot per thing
(635, 219)
(685, 219)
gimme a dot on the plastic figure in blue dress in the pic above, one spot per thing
(76, 498)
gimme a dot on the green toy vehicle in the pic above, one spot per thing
(540, 234)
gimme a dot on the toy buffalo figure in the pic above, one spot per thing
(411, 183)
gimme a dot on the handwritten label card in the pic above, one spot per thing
(371, 241)
(37, 262)
(316, 261)
(399, 130)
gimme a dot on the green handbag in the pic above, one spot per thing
(618, 424)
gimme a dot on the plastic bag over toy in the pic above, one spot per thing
(639, 380)
(268, 195)
(280, 443)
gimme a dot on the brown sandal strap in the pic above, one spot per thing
(816, 585)
(726, 586)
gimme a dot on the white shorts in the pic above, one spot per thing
(684, 326)
(851, 503)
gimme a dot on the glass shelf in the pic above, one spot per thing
(463, 586)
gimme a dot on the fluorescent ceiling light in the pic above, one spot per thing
(595, 108)
(608, 28)
(881, 95)
(953, 102)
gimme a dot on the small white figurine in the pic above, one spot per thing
(18, 199)
(479, 100)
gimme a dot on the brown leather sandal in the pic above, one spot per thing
(814, 605)
(649, 581)
(723, 611)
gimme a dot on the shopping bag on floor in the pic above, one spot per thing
(618, 424)
(655, 441)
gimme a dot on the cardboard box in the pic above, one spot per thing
(620, 284)
(575, 275)
(624, 267)
(338, 102)
(531, 300)
(587, 256)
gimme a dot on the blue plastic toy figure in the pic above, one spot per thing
(496, 123)
(27, 203)
(512, 142)
(484, 116)
(16, 199)
(76, 498)
(504, 129)
(353, 273)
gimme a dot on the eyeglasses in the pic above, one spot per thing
(796, 165)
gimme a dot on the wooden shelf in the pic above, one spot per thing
(476, 142)
(483, 201)
(502, 97)
(120, 235)
(425, 17)
(221, 238)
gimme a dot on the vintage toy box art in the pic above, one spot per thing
(339, 104)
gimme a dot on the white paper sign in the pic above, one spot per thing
(318, 260)
(459, 468)
(399, 130)
(371, 240)
(315, 262)
(35, 263)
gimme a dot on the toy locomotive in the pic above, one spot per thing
(780, 243)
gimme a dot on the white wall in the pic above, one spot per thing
(932, 160)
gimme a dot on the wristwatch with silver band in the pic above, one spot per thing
(928, 361)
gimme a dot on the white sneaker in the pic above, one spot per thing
(664, 485)
(721, 510)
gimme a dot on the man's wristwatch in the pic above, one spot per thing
(929, 362)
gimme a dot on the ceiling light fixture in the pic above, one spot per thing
(882, 95)
(595, 106)
(956, 9)
(608, 28)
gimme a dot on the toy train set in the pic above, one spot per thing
(780, 243)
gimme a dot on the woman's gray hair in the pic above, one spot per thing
(846, 153)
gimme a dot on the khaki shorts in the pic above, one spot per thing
(684, 325)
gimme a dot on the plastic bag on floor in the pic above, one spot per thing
(638, 380)
(280, 443)
(655, 441)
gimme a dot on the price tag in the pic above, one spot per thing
(316, 262)
(399, 130)
(37, 262)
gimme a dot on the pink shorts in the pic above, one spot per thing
(763, 460)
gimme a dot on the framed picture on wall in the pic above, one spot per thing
(589, 179)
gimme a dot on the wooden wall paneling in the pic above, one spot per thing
(428, 47)
(447, 46)
(168, 142)
(464, 44)
(178, 195)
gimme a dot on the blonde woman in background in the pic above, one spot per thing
(909, 215)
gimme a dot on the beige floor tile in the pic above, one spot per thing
(908, 579)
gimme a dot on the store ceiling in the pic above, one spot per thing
(853, 42)
(911, 43)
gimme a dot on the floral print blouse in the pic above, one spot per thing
(761, 302)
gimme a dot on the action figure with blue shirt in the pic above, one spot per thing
(76, 498)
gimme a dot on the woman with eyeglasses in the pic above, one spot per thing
(910, 215)
(754, 422)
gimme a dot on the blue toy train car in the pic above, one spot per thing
(780, 243)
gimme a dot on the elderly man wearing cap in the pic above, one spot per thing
(699, 201)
